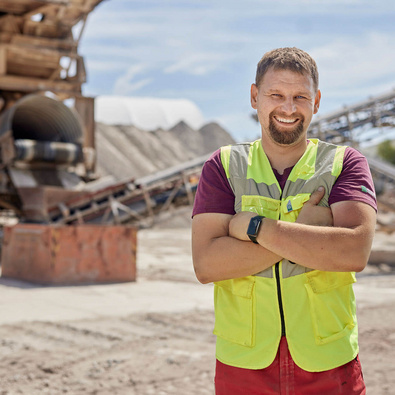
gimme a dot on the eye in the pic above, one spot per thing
(300, 97)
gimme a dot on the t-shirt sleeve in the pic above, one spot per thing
(355, 182)
(214, 194)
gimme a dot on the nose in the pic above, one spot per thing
(288, 105)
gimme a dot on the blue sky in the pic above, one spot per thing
(207, 50)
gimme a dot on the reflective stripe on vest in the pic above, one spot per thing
(318, 307)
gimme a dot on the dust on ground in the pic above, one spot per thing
(151, 349)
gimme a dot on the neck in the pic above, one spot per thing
(283, 156)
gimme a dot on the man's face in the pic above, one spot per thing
(285, 102)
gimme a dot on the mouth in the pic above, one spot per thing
(286, 121)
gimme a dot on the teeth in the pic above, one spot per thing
(285, 120)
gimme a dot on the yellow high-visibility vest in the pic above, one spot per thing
(314, 309)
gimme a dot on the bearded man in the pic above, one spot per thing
(280, 226)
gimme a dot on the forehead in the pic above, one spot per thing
(286, 79)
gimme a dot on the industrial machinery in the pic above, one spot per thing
(70, 226)
(46, 146)
(47, 151)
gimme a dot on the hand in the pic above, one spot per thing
(312, 214)
(239, 224)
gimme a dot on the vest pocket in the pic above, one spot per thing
(332, 304)
(234, 310)
(260, 205)
(292, 205)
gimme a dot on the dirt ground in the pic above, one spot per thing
(165, 350)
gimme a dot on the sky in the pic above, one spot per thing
(206, 51)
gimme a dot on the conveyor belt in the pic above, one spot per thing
(346, 125)
(133, 200)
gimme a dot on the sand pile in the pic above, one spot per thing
(128, 152)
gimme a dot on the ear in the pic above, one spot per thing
(317, 101)
(254, 96)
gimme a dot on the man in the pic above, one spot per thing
(280, 226)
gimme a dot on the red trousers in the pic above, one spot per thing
(284, 377)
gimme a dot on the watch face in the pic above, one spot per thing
(256, 221)
(253, 227)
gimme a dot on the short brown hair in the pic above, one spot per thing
(293, 59)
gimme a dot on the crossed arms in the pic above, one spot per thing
(338, 238)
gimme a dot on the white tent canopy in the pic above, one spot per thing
(147, 113)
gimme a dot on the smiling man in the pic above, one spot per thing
(281, 225)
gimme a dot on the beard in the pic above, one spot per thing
(290, 136)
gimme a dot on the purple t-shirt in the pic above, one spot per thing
(214, 194)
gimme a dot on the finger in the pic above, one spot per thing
(316, 196)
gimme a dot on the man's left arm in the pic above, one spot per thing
(343, 247)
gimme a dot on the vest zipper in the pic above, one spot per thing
(280, 298)
(278, 282)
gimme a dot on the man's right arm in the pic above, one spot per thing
(217, 256)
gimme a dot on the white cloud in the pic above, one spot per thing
(127, 84)
(350, 65)
(198, 63)
(170, 38)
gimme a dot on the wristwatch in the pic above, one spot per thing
(253, 228)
